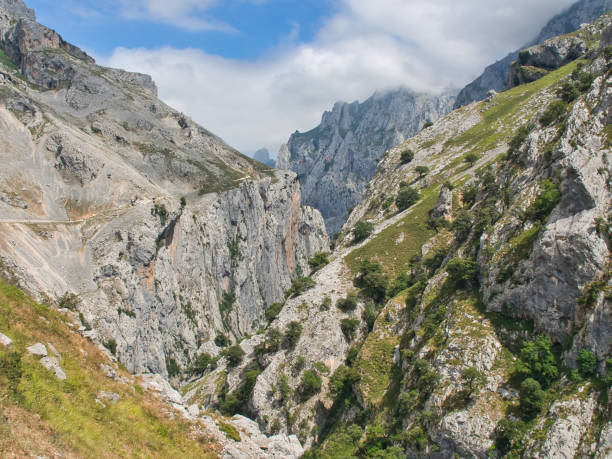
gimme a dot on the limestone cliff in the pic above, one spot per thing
(168, 236)
(337, 159)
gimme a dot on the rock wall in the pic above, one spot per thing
(167, 235)
(337, 159)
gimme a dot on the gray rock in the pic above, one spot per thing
(54, 351)
(112, 397)
(337, 159)
(38, 350)
(5, 340)
(17, 9)
(52, 364)
(444, 206)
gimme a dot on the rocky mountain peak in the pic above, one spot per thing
(17, 9)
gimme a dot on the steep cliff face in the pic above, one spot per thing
(167, 235)
(473, 320)
(495, 76)
(336, 160)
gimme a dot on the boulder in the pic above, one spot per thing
(52, 364)
(38, 350)
(5, 340)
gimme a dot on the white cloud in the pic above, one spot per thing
(366, 46)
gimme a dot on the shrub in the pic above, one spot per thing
(462, 226)
(546, 201)
(227, 302)
(407, 156)
(508, 435)
(349, 303)
(273, 311)
(434, 260)
(229, 430)
(422, 171)
(401, 283)
(428, 124)
(310, 384)
(374, 285)
(172, 367)
(351, 356)
(342, 380)
(471, 158)
(537, 361)
(235, 355)
(272, 342)
(320, 260)
(473, 380)
(349, 326)
(406, 197)
(569, 92)
(68, 301)
(407, 402)
(587, 363)
(532, 398)
(161, 211)
(221, 340)
(202, 363)
(326, 305)
(554, 112)
(369, 316)
(462, 271)
(284, 388)
(519, 138)
(469, 194)
(362, 231)
(292, 334)
(111, 345)
(299, 286)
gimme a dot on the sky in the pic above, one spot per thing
(255, 71)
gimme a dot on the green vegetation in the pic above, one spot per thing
(299, 286)
(555, 111)
(372, 281)
(320, 260)
(229, 430)
(396, 258)
(473, 380)
(362, 231)
(46, 415)
(202, 363)
(406, 198)
(587, 363)
(160, 211)
(533, 398)
(407, 156)
(349, 303)
(422, 171)
(273, 311)
(537, 361)
(310, 384)
(221, 340)
(462, 272)
(227, 302)
(349, 327)
(471, 158)
(545, 202)
(234, 355)
(292, 334)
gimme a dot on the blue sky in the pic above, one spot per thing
(254, 71)
(246, 30)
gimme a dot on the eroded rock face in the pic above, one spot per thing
(337, 159)
(167, 235)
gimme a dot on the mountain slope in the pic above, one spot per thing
(168, 236)
(336, 160)
(495, 76)
(475, 319)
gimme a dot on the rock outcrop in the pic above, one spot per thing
(167, 236)
(495, 76)
(337, 159)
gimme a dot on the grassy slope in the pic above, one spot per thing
(41, 414)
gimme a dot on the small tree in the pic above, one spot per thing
(422, 171)
(320, 260)
(362, 231)
(349, 303)
(462, 226)
(235, 354)
(310, 384)
(406, 197)
(292, 334)
(273, 311)
(532, 398)
(221, 340)
(587, 363)
(471, 158)
(473, 380)
(407, 156)
(299, 286)
(462, 271)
